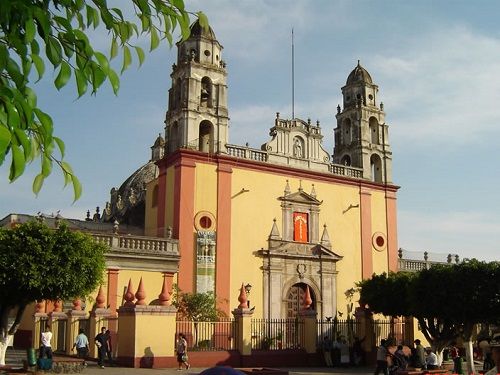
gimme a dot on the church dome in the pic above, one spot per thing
(128, 201)
(197, 30)
(359, 74)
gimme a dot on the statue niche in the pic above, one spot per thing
(206, 92)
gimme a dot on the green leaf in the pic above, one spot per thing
(63, 76)
(98, 77)
(114, 48)
(35, 47)
(5, 137)
(47, 125)
(103, 61)
(39, 65)
(30, 97)
(140, 54)
(43, 22)
(118, 12)
(179, 4)
(61, 145)
(18, 162)
(24, 142)
(81, 82)
(13, 115)
(46, 165)
(30, 30)
(127, 58)
(53, 50)
(114, 80)
(67, 171)
(146, 23)
(77, 188)
(4, 54)
(37, 183)
(203, 20)
(184, 25)
(155, 40)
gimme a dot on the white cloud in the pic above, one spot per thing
(443, 86)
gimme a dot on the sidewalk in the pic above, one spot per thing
(93, 369)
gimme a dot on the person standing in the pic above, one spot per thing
(82, 345)
(382, 359)
(326, 347)
(101, 342)
(182, 358)
(46, 348)
(495, 354)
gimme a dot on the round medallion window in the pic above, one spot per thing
(207, 53)
(379, 241)
(204, 221)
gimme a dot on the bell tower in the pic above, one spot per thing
(361, 135)
(197, 116)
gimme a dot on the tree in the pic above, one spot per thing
(197, 307)
(447, 300)
(38, 263)
(33, 32)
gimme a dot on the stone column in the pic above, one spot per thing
(73, 324)
(54, 318)
(243, 320)
(37, 329)
(98, 319)
(364, 317)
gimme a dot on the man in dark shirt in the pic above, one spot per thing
(101, 341)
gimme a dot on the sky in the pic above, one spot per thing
(437, 65)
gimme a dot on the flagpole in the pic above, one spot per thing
(293, 80)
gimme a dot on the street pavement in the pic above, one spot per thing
(93, 369)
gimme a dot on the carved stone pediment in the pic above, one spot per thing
(301, 197)
(286, 249)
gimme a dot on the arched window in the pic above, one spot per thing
(374, 131)
(346, 160)
(206, 136)
(376, 168)
(206, 92)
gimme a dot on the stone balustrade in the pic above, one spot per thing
(138, 244)
(243, 152)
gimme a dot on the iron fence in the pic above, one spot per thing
(392, 329)
(208, 336)
(277, 334)
(338, 330)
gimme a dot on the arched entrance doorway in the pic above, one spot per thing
(295, 299)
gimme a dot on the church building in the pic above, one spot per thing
(286, 219)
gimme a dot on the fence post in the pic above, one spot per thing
(146, 336)
(364, 317)
(310, 330)
(37, 329)
(243, 320)
(97, 320)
